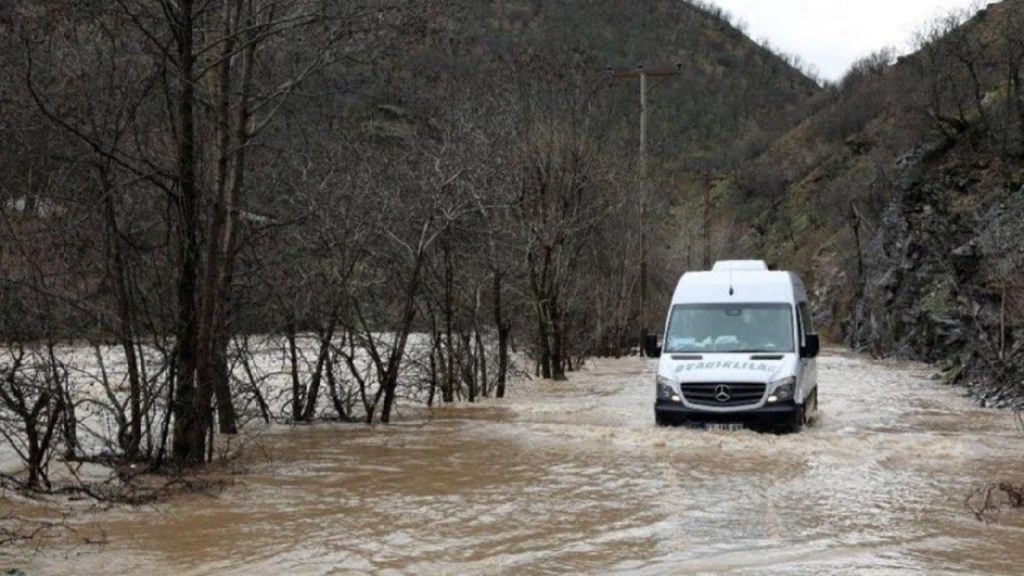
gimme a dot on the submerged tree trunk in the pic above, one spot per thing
(503, 363)
(504, 328)
(260, 401)
(557, 344)
(125, 324)
(481, 355)
(544, 342)
(189, 443)
(226, 416)
(309, 413)
(389, 383)
(332, 386)
(469, 366)
(220, 253)
(293, 356)
(448, 392)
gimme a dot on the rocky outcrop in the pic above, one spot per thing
(942, 274)
(902, 203)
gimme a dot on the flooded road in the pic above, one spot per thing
(574, 477)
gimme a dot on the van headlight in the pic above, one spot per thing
(782, 390)
(666, 390)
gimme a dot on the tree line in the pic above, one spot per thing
(195, 187)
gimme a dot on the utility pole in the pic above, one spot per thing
(642, 74)
(711, 180)
(707, 223)
(643, 124)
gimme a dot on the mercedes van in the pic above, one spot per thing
(738, 348)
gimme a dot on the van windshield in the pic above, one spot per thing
(730, 328)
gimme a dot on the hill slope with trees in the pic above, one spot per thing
(902, 201)
(402, 194)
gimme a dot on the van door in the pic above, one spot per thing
(808, 367)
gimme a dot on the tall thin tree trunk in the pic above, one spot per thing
(235, 200)
(481, 355)
(309, 413)
(503, 328)
(390, 381)
(332, 386)
(433, 377)
(544, 341)
(188, 446)
(126, 336)
(1002, 323)
(68, 419)
(260, 401)
(293, 356)
(557, 344)
(211, 380)
(469, 366)
(448, 393)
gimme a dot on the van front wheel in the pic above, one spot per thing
(795, 422)
(662, 420)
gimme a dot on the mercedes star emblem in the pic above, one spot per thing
(723, 393)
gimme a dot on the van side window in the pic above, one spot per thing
(806, 325)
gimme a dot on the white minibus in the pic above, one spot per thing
(738, 347)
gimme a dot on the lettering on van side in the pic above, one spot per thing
(726, 365)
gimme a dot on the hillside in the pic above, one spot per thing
(441, 65)
(422, 199)
(902, 202)
(731, 98)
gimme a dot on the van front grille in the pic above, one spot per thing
(723, 394)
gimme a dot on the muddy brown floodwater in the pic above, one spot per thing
(574, 477)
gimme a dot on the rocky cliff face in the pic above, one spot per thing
(942, 273)
(902, 203)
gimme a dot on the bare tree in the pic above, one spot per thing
(32, 403)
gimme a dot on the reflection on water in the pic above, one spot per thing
(574, 477)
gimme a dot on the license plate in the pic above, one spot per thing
(726, 426)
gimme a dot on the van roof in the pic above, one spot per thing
(740, 266)
(748, 287)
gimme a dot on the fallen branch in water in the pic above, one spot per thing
(122, 484)
(990, 500)
(14, 528)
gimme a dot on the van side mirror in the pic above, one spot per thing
(811, 347)
(651, 347)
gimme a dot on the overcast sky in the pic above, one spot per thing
(831, 34)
